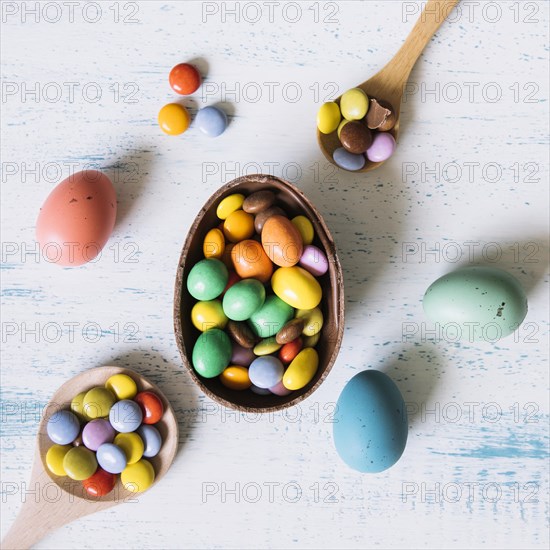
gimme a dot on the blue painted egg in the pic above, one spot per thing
(370, 424)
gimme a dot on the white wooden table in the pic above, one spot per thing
(82, 85)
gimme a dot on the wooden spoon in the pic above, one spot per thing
(388, 83)
(60, 500)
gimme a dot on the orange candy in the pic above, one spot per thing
(251, 261)
(238, 226)
(235, 378)
(289, 351)
(282, 241)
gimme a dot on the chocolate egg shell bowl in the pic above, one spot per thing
(293, 202)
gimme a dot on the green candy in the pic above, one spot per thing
(476, 304)
(271, 317)
(212, 353)
(207, 279)
(80, 463)
(243, 299)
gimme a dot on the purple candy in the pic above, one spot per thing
(96, 433)
(241, 356)
(279, 389)
(313, 259)
(382, 148)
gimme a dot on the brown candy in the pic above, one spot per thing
(258, 201)
(355, 137)
(241, 333)
(380, 115)
(291, 331)
(78, 441)
(262, 217)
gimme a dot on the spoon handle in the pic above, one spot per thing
(398, 69)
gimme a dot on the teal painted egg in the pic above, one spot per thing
(370, 424)
(243, 299)
(476, 303)
(207, 279)
(269, 319)
(212, 353)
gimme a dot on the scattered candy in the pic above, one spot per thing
(173, 119)
(113, 438)
(184, 79)
(211, 121)
(258, 301)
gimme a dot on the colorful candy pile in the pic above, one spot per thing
(174, 118)
(107, 432)
(258, 297)
(363, 131)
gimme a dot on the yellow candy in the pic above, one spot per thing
(138, 477)
(305, 227)
(54, 459)
(297, 287)
(229, 205)
(98, 402)
(238, 226)
(214, 244)
(313, 320)
(340, 126)
(235, 378)
(311, 341)
(122, 386)
(131, 444)
(207, 315)
(267, 346)
(354, 104)
(77, 406)
(79, 463)
(173, 119)
(302, 369)
(328, 117)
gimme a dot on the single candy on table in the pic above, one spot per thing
(138, 477)
(207, 279)
(151, 406)
(356, 137)
(101, 483)
(184, 79)
(229, 204)
(96, 433)
(173, 119)
(122, 385)
(314, 260)
(63, 427)
(354, 104)
(271, 317)
(382, 148)
(282, 241)
(258, 201)
(235, 378)
(348, 161)
(207, 315)
(79, 463)
(151, 438)
(302, 369)
(211, 121)
(132, 445)
(54, 459)
(125, 416)
(214, 244)
(211, 353)
(266, 372)
(305, 228)
(111, 458)
(297, 287)
(243, 299)
(238, 226)
(251, 261)
(328, 117)
(98, 402)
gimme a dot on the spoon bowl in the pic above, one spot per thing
(389, 82)
(63, 500)
(293, 202)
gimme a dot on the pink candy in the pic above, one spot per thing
(313, 259)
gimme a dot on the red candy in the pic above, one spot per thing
(151, 406)
(289, 351)
(184, 79)
(231, 280)
(100, 484)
